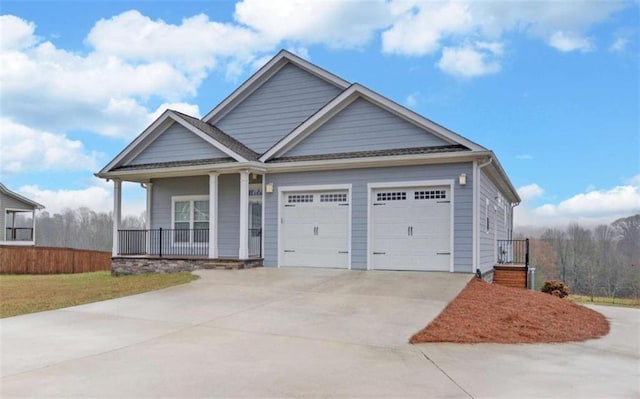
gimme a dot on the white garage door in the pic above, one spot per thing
(315, 229)
(411, 228)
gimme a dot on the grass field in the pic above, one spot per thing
(630, 302)
(21, 294)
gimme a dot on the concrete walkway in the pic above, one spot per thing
(296, 333)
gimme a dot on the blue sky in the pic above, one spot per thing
(551, 87)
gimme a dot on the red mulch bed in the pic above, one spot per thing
(485, 312)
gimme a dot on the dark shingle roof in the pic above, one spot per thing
(377, 153)
(175, 164)
(220, 136)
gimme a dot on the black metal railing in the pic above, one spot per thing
(19, 234)
(164, 242)
(513, 252)
(255, 243)
(176, 242)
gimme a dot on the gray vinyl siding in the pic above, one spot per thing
(277, 107)
(177, 143)
(499, 227)
(228, 205)
(359, 178)
(364, 126)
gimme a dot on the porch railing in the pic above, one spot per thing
(513, 252)
(255, 243)
(176, 242)
(164, 242)
(19, 234)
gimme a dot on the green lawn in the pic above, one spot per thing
(20, 294)
(630, 302)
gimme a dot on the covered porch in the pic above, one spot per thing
(196, 218)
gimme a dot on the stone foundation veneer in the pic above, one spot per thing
(126, 266)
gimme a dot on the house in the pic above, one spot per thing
(298, 167)
(18, 216)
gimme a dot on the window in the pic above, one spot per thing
(486, 212)
(191, 219)
(333, 197)
(430, 194)
(391, 196)
(18, 225)
(294, 198)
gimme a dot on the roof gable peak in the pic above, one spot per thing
(265, 73)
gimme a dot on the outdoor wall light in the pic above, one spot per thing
(462, 179)
(269, 188)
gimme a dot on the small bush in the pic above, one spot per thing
(555, 288)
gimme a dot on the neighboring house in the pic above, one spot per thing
(302, 168)
(18, 216)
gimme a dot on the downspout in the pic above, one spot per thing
(477, 210)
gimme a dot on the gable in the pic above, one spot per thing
(277, 107)
(364, 126)
(10, 199)
(177, 143)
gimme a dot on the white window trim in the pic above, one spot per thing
(191, 199)
(402, 184)
(327, 187)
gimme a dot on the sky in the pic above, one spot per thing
(551, 87)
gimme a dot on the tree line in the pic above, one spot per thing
(603, 261)
(81, 228)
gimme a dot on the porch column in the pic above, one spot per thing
(149, 187)
(213, 215)
(243, 252)
(33, 226)
(117, 213)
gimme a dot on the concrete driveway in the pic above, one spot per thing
(296, 332)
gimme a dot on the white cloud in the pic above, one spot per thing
(619, 45)
(468, 61)
(194, 46)
(24, 149)
(634, 180)
(530, 192)
(425, 27)
(336, 24)
(619, 199)
(97, 198)
(566, 42)
(590, 208)
(412, 99)
(421, 26)
(15, 33)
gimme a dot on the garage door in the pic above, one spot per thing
(315, 229)
(411, 228)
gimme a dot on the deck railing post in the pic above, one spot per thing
(526, 263)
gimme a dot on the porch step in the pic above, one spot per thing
(232, 264)
(513, 275)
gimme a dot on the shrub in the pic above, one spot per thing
(556, 288)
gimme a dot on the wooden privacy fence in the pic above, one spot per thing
(49, 260)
